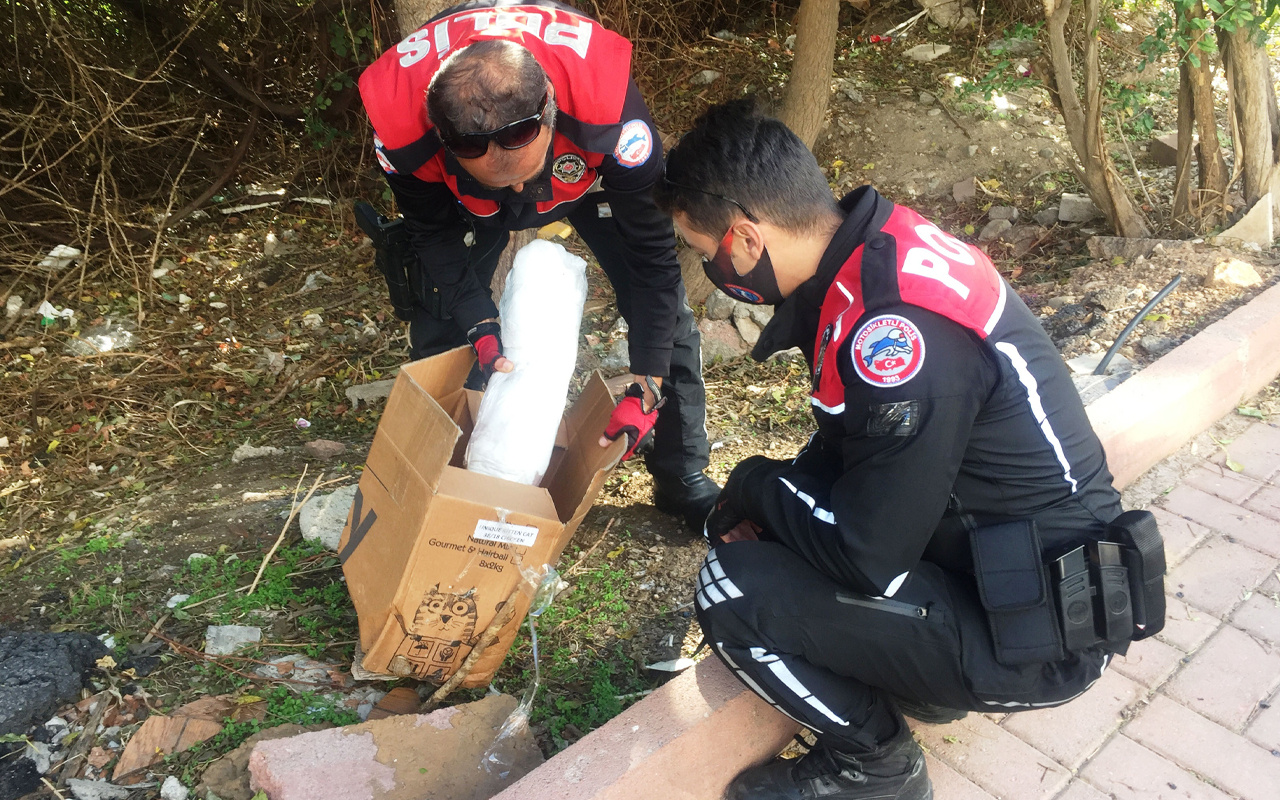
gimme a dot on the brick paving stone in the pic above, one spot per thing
(1257, 449)
(1181, 535)
(1217, 574)
(1071, 733)
(1249, 527)
(1260, 614)
(1186, 626)
(1076, 790)
(1125, 770)
(995, 759)
(1222, 482)
(1227, 677)
(1231, 762)
(1266, 502)
(949, 784)
(1148, 662)
(1264, 731)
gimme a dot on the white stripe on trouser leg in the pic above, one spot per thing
(821, 514)
(713, 585)
(755, 687)
(713, 564)
(788, 678)
(1037, 407)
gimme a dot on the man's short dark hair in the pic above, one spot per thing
(737, 152)
(485, 86)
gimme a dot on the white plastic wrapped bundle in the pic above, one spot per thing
(541, 311)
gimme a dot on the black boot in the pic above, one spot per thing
(690, 496)
(928, 712)
(893, 771)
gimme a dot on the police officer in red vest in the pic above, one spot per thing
(497, 116)
(949, 540)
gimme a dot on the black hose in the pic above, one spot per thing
(1133, 323)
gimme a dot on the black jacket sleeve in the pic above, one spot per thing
(867, 523)
(649, 242)
(438, 232)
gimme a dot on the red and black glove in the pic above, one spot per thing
(486, 340)
(723, 518)
(630, 418)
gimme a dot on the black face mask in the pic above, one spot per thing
(758, 287)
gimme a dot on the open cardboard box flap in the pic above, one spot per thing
(431, 551)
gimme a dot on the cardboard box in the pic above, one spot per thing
(430, 550)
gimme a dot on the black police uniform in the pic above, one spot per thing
(942, 408)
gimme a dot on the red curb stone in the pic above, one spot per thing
(1149, 662)
(1185, 626)
(995, 759)
(1264, 731)
(1125, 770)
(1216, 576)
(949, 784)
(1180, 535)
(1233, 763)
(1257, 450)
(1221, 482)
(1227, 678)
(685, 741)
(1078, 790)
(1071, 733)
(1258, 322)
(1259, 532)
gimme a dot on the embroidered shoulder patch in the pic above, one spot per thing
(888, 350)
(635, 143)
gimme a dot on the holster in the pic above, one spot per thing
(1142, 552)
(1014, 590)
(397, 260)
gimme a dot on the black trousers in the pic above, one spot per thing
(833, 659)
(680, 435)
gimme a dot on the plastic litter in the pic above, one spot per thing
(61, 257)
(313, 280)
(49, 313)
(519, 416)
(12, 306)
(110, 335)
(301, 423)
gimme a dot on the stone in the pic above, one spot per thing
(850, 90)
(1076, 208)
(950, 13)
(1003, 212)
(1046, 153)
(705, 77)
(385, 758)
(927, 99)
(720, 341)
(228, 777)
(761, 314)
(369, 392)
(159, 736)
(18, 776)
(972, 150)
(1164, 149)
(194, 557)
(965, 190)
(172, 789)
(1048, 217)
(223, 640)
(247, 451)
(39, 672)
(748, 330)
(96, 790)
(741, 311)
(1014, 47)
(1024, 238)
(927, 52)
(1156, 345)
(1108, 298)
(324, 449)
(934, 112)
(1233, 272)
(323, 517)
(1105, 248)
(1256, 227)
(720, 305)
(994, 230)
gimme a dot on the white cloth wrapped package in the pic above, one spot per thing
(541, 312)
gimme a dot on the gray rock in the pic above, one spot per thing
(934, 112)
(1048, 217)
(1076, 208)
(1164, 149)
(965, 190)
(325, 449)
(720, 341)
(1058, 302)
(972, 150)
(1156, 345)
(369, 392)
(741, 311)
(1025, 238)
(994, 230)
(1003, 212)
(194, 557)
(172, 789)
(1046, 153)
(719, 305)
(323, 517)
(1108, 298)
(223, 640)
(164, 573)
(96, 790)
(39, 672)
(927, 52)
(705, 77)
(927, 99)
(41, 755)
(247, 451)
(761, 315)
(1014, 47)
(748, 330)
(849, 90)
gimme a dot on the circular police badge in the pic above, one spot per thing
(634, 144)
(743, 293)
(888, 350)
(569, 168)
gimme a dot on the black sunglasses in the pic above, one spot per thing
(512, 136)
(687, 188)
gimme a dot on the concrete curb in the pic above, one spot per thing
(689, 738)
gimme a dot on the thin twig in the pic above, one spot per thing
(1137, 173)
(571, 570)
(293, 512)
(53, 788)
(487, 638)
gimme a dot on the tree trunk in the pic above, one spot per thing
(1084, 122)
(1208, 204)
(805, 105)
(1248, 80)
(1186, 121)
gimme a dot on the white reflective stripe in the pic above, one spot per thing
(1037, 407)
(829, 409)
(716, 569)
(704, 576)
(999, 310)
(762, 655)
(821, 514)
(714, 583)
(784, 674)
(703, 602)
(713, 593)
(896, 584)
(725, 654)
(729, 588)
(812, 436)
(835, 332)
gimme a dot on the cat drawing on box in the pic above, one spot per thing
(443, 627)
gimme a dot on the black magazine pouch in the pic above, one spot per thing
(1142, 550)
(1014, 590)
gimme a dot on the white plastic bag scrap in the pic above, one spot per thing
(541, 312)
(60, 257)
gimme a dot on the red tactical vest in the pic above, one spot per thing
(934, 271)
(588, 65)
